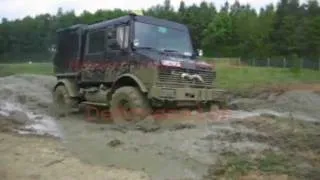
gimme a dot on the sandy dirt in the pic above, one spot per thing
(187, 145)
(25, 157)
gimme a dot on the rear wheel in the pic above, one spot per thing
(129, 105)
(63, 103)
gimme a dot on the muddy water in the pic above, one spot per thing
(168, 152)
(180, 148)
(159, 154)
(30, 96)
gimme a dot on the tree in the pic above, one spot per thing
(218, 35)
(182, 7)
(312, 30)
(236, 30)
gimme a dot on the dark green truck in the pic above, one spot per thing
(132, 64)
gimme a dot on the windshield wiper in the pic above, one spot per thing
(146, 47)
(143, 47)
(170, 50)
(152, 48)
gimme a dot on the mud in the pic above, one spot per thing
(8, 125)
(298, 104)
(34, 158)
(177, 147)
(296, 157)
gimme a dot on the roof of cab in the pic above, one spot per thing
(145, 19)
(110, 22)
(161, 22)
(125, 19)
(74, 27)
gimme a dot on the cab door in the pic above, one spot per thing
(117, 52)
(94, 57)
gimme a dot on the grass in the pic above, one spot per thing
(229, 77)
(25, 68)
(245, 77)
(271, 163)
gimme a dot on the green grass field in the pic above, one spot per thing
(25, 68)
(230, 77)
(246, 77)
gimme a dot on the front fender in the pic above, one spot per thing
(134, 78)
(70, 85)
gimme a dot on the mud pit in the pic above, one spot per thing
(185, 148)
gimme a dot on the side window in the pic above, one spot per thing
(96, 42)
(118, 37)
(126, 37)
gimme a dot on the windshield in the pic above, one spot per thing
(162, 38)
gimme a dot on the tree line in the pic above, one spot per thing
(287, 29)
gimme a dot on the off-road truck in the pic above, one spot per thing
(133, 65)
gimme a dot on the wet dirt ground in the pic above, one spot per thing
(38, 158)
(190, 147)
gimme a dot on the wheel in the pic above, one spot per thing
(129, 105)
(211, 107)
(63, 103)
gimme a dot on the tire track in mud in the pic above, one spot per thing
(174, 150)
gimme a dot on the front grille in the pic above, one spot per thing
(172, 77)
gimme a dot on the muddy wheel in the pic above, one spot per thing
(210, 108)
(63, 103)
(129, 105)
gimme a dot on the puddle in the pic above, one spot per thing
(296, 115)
(39, 124)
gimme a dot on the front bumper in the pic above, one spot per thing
(186, 94)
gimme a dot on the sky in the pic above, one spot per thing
(13, 9)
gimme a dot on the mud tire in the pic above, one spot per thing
(129, 106)
(63, 103)
(210, 108)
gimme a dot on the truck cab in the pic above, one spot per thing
(132, 64)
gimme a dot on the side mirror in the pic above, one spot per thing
(111, 34)
(113, 44)
(132, 46)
